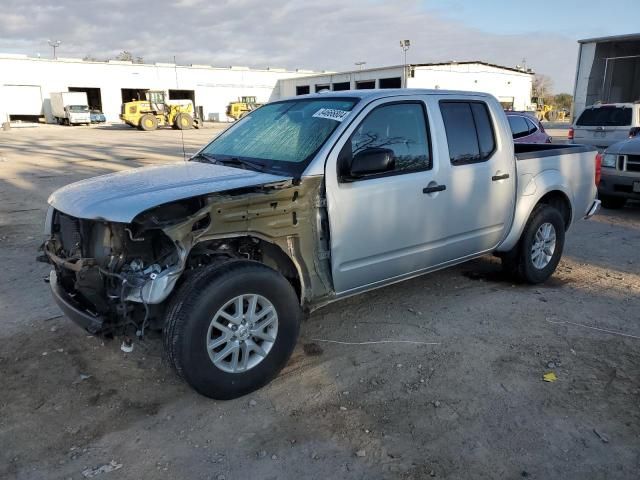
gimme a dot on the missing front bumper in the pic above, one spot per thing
(91, 323)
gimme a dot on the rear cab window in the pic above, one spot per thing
(606, 116)
(470, 133)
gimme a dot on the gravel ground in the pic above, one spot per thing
(471, 405)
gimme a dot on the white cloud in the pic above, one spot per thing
(331, 35)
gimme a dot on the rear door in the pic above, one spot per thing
(604, 125)
(481, 189)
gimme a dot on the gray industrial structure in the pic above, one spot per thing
(608, 71)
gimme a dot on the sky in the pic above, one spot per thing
(326, 35)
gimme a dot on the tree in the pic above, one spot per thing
(542, 87)
(563, 100)
(90, 58)
(126, 56)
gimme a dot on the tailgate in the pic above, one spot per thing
(601, 137)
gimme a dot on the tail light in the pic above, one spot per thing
(598, 168)
(570, 134)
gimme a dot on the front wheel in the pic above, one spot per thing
(231, 328)
(538, 252)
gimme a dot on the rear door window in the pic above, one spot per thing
(470, 134)
(608, 116)
(533, 128)
(519, 126)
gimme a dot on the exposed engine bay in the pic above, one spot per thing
(121, 274)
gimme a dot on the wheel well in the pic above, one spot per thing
(247, 247)
(560, 202)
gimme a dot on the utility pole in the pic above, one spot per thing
(404, 45)
(54, 44)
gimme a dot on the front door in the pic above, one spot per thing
(390, 224)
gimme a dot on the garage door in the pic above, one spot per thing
(22, 99)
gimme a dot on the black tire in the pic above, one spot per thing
(195, 304)
(183, 121)
(612, 203)
(519, 263)
(148, 122)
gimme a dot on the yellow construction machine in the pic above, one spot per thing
(156, 111)
(546, 112)
(244, 105)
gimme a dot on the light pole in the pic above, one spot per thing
(54, 44)
(360, 65)
(404, 45)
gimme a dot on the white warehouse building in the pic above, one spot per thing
(26, 83)
(512, 86)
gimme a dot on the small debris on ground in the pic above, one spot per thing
(549, 377)
(344, 409)
(361, 453)
(601, 436)
(106, 468)
(252, 403)
(312, 349)
(127, 345)
(81, 378)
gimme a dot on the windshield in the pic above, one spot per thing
(284, 136)
(605, 117)
(78, 108)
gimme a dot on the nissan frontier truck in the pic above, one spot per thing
(301, 203)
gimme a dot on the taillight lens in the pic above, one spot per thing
(598, 168)
(570, 134)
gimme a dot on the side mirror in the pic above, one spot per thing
(371, 161)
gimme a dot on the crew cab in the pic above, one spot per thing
(303, 202)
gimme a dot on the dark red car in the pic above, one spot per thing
(526, 128)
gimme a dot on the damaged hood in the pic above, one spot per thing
(121, 196)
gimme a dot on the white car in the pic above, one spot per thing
(602, 125)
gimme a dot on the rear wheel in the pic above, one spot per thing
(183, 121)
(613, 203)
(538, 252)
(148, 122)
(231, 328)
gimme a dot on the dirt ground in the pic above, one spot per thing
(472, 405)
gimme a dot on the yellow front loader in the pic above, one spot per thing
(244, 105)
(156, 112)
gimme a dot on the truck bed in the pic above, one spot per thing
(525, 151)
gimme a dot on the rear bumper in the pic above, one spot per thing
(595, 206)
(91, 323)
(618, 185)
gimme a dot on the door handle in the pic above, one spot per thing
(504, 176)
(434, 189)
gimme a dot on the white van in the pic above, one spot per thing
(602, 125)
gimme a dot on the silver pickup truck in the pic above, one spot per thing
(301, 203)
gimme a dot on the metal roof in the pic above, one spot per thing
(615, 38)
(473, 62)
(373, 93)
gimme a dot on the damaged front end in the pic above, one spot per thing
(108, 276)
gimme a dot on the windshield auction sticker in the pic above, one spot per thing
(331, 114)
